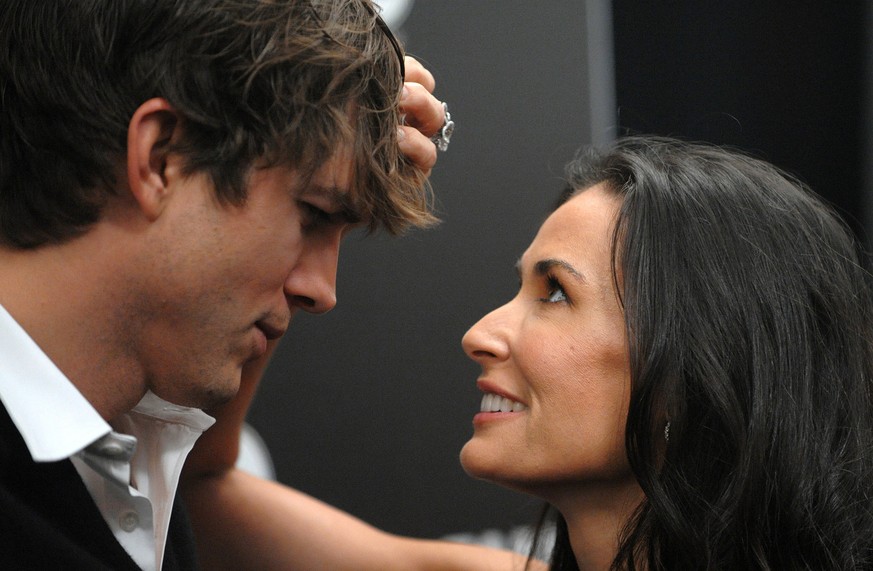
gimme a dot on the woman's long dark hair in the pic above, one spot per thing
(749, 320)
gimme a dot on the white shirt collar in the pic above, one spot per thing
(57, 422)
(53, 417)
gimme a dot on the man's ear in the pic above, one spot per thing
(152, 127)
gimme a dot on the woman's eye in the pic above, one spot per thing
(557, 296)
(556, 292)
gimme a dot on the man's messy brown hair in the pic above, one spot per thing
(254, 81)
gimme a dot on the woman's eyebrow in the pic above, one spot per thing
(543, 267)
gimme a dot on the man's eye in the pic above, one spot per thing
(313, 215)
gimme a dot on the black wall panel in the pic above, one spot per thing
(787, 81)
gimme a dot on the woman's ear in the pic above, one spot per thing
(152, 127)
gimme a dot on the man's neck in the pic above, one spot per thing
(67, 299)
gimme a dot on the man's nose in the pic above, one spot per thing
(311, 285)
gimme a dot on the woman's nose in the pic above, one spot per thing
(488, 339)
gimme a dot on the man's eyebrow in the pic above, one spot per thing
(347, 208)
(543, 267)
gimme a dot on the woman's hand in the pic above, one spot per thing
(424, 115)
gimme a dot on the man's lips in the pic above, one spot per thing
(271, 331)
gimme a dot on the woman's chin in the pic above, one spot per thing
(480, 461)
(473, 462)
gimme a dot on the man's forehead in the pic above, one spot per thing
(338, 170)
(336, 179)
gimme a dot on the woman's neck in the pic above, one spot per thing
(595, 519)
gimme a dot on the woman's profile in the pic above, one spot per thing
(687, 365)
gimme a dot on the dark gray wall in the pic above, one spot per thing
(788, 82)
(368, 406)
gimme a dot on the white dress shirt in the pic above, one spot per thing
(131, 472)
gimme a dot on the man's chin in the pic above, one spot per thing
(205, 397)
(216, 401)
(219, 395)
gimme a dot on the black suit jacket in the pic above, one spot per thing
(49, 521)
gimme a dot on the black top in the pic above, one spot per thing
(48, 520)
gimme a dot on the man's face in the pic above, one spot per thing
(224, 279)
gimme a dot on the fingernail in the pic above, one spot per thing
(404, 93)
(401, 134)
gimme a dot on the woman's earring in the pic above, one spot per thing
(667, 432)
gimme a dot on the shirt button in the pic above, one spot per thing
(112, 449)
(128, 521)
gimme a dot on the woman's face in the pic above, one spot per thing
(554, 362)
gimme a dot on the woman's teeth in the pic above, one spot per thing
(497, 403)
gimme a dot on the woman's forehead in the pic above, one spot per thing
(580, 231)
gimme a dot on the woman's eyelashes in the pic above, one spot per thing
(555, 290)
